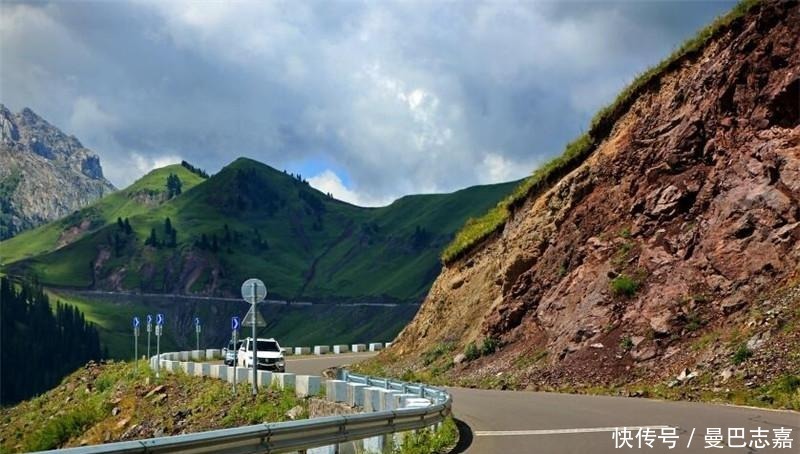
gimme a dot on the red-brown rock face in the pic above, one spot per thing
(683, 218)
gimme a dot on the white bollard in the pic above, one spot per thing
(302, 350)
(321, 349)
(359, 348)
(375, 346)
(400, 400)
(213, 353)
(339, 349)
(202, 369)
(307, 385)
(183, 356)
(355, 394)
(264, 378)
(284, 380)
(372, 399)
(336, 390)
(243, 375)
(198, 355)
(287, 351)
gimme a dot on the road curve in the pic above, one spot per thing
(535, 422)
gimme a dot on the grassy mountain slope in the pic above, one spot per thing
(138, 198)
(250, 219)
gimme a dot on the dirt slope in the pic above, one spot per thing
(670, 247)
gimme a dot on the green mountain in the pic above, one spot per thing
(247, 220)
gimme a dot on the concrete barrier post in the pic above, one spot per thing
(198, 355)
(339, 349)
(355, 394)
(372, 399)
(183, 356)
(302, 350)
(359, 348)
(307, 385)
(202, 369)
(213, 353)
(287, 351)
(264, 378)
(243, 375)
(321, 349)
(375, 346)
(336, 390)
(284, 380)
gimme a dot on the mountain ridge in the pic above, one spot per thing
(229, 223)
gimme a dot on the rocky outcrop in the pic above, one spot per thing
(683, 218)
(44, 173)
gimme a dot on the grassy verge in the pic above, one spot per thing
(113, 402)
(431, 440)
(478, 229)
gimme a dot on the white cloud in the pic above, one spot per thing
(496, 169)
(407, 97)
(147, 163)
(329, 182)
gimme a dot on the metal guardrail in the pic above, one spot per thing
(296, 435)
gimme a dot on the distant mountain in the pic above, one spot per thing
(248, 220)
(44, 173)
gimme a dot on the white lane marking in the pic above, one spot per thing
(502, 433)
(330, 356)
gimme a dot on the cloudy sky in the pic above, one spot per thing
(367, 100)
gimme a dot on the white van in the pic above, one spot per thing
(270, 356)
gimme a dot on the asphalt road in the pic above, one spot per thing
(533, 422)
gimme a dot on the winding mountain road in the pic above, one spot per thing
(528, 422)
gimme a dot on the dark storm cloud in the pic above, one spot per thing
(403, 97)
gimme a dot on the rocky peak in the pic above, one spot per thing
(44, 173)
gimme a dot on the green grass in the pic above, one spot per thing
(80, 408)
(478, 229)
(429, 441)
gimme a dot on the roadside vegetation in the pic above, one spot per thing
(430, 440)
(113, 402)
(478, 229)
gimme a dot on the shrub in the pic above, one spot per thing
(489, 346)
(471, 352)
(741, 354)
(623, 285)
(626, 343)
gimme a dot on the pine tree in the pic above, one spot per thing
(128, 229)
(152, 240)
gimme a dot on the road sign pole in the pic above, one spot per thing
(149, 328)
(255, 344)
(159, 332)
(136, 349)
(158, 351)
(136, 344)
(235, 360)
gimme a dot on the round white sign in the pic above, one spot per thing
(254, 288)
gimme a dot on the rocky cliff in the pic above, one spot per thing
(673, 246)
(44, 173)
